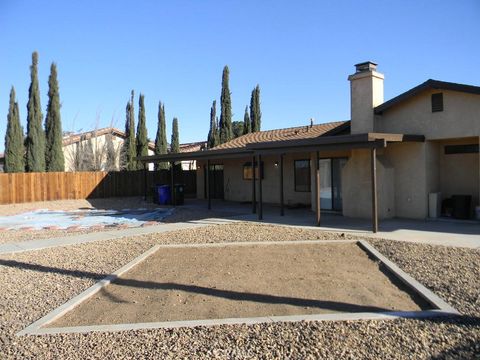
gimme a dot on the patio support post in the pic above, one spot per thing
(373, 159)
(282, 211)
(209, 199)
(260, 200)
(145, 166)
(317, 187)
(172, 183)
(254, 200)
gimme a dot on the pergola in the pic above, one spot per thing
(371, 141)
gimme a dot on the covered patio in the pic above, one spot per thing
(279, 149)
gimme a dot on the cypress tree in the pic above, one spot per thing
(35, 141)
(175, 143)
(54, 158)
(129, 151)
(212, 140)
(142, 138)
(237, 128)
(255, 112)
(225, 108)
(247, 125)
(161, 146)
(14, 148)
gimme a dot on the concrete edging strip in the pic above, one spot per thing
(441, 308)
(92, 290)
(413, 284)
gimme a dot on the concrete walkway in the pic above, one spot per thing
(424, 232)
(105, 235)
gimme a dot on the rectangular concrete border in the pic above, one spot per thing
(440, 307)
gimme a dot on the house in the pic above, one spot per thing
(74, 146)
(414, 156)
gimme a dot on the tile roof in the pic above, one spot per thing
(299, 132)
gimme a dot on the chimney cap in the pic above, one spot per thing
(365, 66)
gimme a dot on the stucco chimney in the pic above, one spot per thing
(366, 92)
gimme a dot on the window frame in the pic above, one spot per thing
(249, 165)
(295, 175)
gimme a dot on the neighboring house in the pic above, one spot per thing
(74, 145)
(414, 156)
(190, 147)
(75, 149)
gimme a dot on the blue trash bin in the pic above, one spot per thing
(164, 194)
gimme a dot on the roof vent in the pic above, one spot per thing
(311, 122)
(365, 66)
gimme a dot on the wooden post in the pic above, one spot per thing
(260, 200)
(254, 200)
(282, 211)
(145, 166)
(172, 182)
(209, 199)
(373, 159)
(317, 187)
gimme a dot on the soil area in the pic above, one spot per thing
(243, 281)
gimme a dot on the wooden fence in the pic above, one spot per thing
(29, 187)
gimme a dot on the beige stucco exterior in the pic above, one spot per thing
(459, 119)
(407, 172)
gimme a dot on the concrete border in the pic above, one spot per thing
(440, 307)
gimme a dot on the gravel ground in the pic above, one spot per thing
(34, 283)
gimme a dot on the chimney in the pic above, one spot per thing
(366, 92)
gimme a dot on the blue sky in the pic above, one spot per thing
(300, 52)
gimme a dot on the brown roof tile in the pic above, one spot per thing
(300, 132)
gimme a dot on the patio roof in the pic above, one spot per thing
(320, 143)
(371, 141)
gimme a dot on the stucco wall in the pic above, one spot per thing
(238, 189)
(411, 177)
(460, 117)
(357, 186)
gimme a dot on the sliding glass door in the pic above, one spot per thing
(331, 183)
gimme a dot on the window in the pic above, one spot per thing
(302, 175)
(437, 102)
(247, 171)
(461, 149)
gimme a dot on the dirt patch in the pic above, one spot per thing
(243, 281)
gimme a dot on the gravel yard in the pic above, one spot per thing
(34, 283)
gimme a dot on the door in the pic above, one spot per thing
(216, 181)
(331, 183)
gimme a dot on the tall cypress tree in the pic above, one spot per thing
(129, 150)
(255, 112)
(212, 140)
(247, 125)
(175, 143)
(142, 138)
(161, 146)
(14, 148)
(35, 141)
(225, 108)
(54, 158)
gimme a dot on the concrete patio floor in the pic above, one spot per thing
(435, 232)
